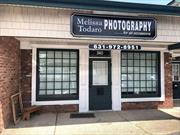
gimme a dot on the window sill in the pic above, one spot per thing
(142, 99)
(62, 102)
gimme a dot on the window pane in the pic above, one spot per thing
(73, 85)
(136, 70)
(143, 62)
(130, 56)
(124, 89)
(42, 85)
(66, 62)
(136, 63)
(42, 92)
(57, 92)
(73, 77)
(57, 85)
(73, 70)
(130, 83)
(148, 63)
(130, 63)
(58, 62)
(143, 83)
(65, 54)
(65, 69)
(50, 69)
(136, 90)
(50, 54)
(50, 62)
(42, 54)
(50, 85)
(57, 74)
(124, 62)
(149, 69)
(100, 72)
(65, 85)
(136, 56)
(130, 70)
(42, 77)
(73, 62)
(124, 69)
(136, 83)
(124, 84)
(58, 54)
(142, 55)
(136, 77)
(73, 54)
(143, 70)
(58, 70)
(49, 92)
(65, 77)
(58, 77)
(123, 55)
(123, 76)
(42, 62)
(141, 74)
(50, 77)
(149, 83)
(73, 91)
(42, 69)
(148, 56)
(130, 76)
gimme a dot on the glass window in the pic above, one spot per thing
(100, 73)
(57, 74)
(176, 72)
(140, 74)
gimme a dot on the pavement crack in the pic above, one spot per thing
(55, 124)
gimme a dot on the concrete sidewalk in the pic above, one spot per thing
(140, 122)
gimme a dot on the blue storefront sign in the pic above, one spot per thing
(112, 26)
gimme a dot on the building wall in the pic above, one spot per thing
(55, 23)
(9, 76)
(168, 103)
(26, 59)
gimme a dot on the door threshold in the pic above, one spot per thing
(100, 110)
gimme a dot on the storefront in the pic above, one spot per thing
(67, 56)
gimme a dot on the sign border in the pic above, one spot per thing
(103, 15)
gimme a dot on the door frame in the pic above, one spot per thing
(109, 78)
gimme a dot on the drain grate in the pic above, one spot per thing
(82, 115)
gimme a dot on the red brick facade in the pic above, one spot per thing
(168, 103)
(26, 72)
(9, 76)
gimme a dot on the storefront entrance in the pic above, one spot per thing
(100, 84)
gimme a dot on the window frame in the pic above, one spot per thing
(146, 94)
(60, 96)
(176, 63)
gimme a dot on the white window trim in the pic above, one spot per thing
(162, 97)
(34, 62)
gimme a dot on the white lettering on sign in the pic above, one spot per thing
(114, 47)
(128, 25)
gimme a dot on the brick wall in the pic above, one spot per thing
(26, 72)
(9, 76)
(168, 103)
